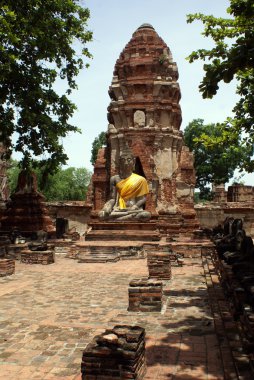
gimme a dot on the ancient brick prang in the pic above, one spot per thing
(26, 209)
(144, 88)
(144, 117)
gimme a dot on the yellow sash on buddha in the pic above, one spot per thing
(131, 187)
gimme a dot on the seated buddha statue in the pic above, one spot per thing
(128, 192)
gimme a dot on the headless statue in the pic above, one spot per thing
(40, 244)
(127, 194)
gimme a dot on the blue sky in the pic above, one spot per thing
(113, 22)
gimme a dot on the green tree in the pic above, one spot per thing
(98, 142)
(41, 41)
(65, 185)
(214, 164)
(231, 57)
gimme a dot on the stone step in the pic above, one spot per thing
(92, 258)
(149, 226)
(171, 227)
(113, 235)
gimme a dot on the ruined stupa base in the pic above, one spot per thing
(37, 257)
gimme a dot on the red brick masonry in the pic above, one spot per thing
(7, 267)
(116, 354)
(145, 295)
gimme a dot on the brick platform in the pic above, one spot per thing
(194, 337)
(7, 267)
(37, 257)
(190, 248)
(116, 235)
(117, 354)
(145, 295)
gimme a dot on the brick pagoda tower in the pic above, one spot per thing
(144, 114)
(26, 210)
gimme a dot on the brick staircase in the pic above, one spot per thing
(112, 241)
(173, 224)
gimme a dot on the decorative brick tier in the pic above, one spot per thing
(121, 234)
(159, 265)
(145, 295)
(37, 257)
(130, 225)
(117, 354)
(7, 267)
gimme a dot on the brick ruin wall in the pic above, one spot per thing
(77, 213)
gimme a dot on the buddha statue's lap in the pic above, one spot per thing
(130, 212)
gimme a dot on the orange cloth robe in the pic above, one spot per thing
(131, 187)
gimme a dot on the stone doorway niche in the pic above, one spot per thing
(138, 169)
